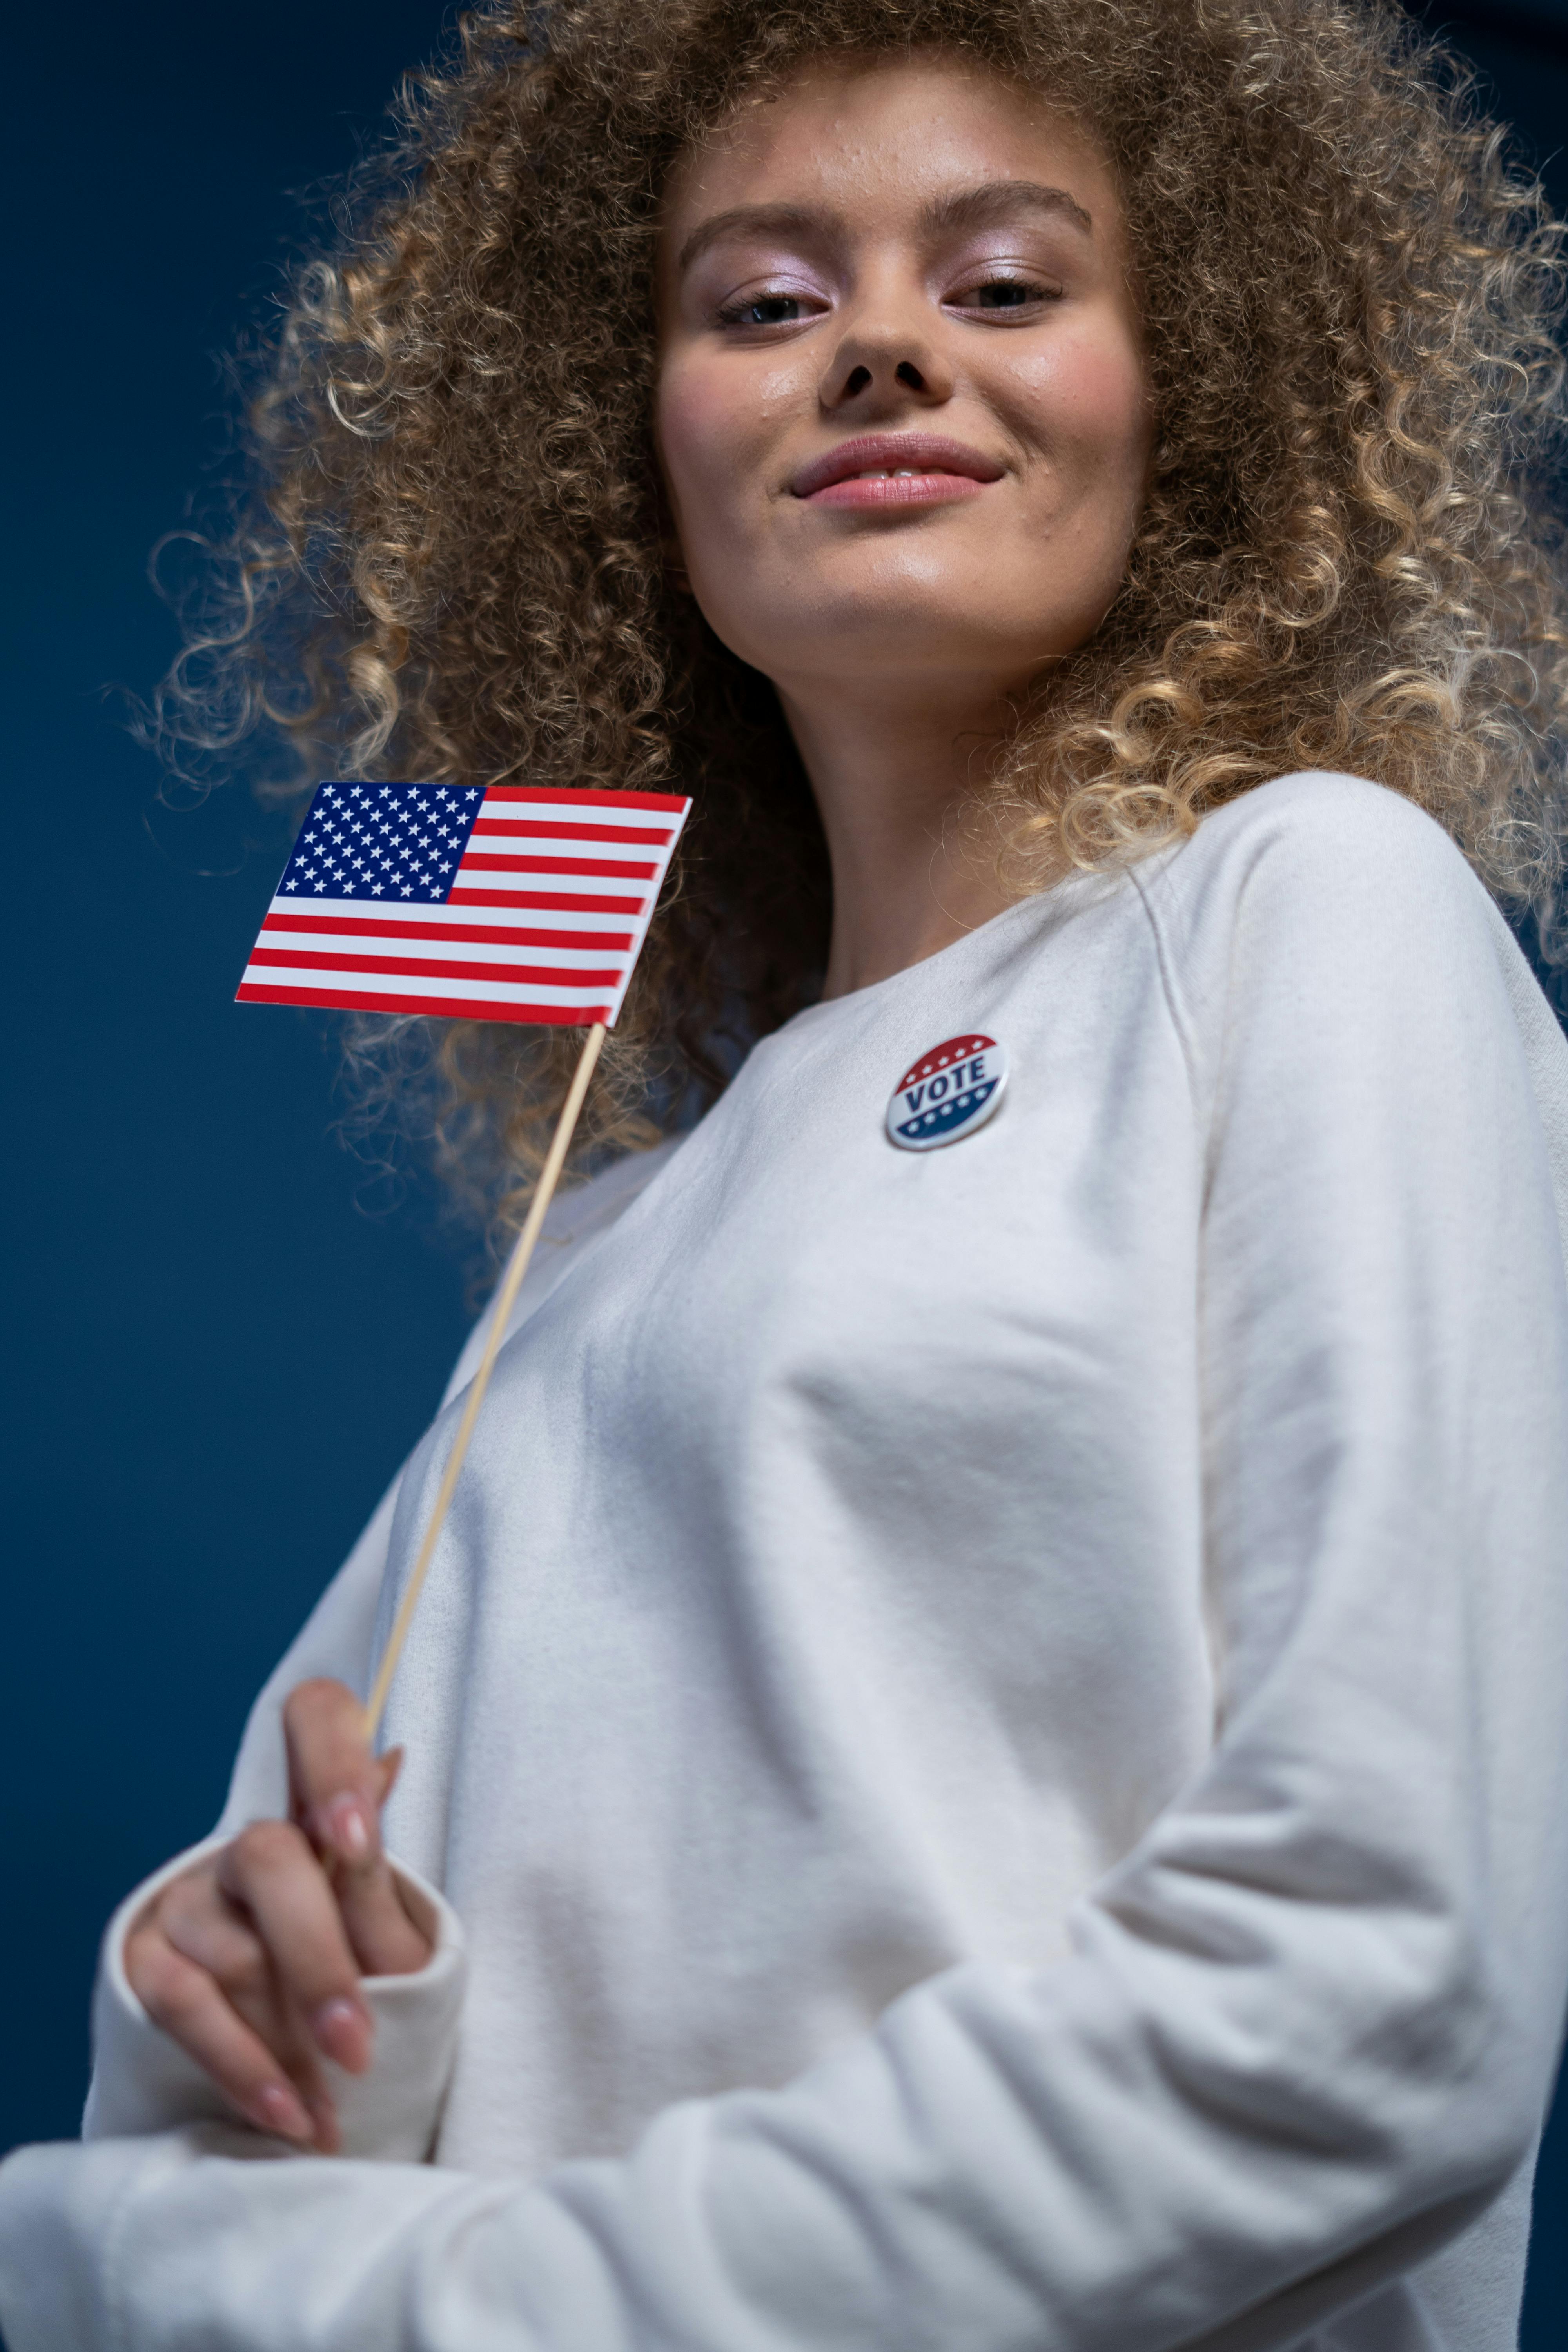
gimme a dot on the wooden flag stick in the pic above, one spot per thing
(506, 1298)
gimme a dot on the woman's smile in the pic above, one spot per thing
(879, 472)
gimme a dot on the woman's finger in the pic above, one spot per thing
(210, 1928)
(236, 1962)
(271, 1870)
(205, 1927)
(201, 1921)
(390, 1937)
(388, 1941)
(337, 1788)
(187, 2003)
(335, 1782)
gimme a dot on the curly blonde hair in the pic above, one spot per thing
(452, 565)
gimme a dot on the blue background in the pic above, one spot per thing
(223, 1337)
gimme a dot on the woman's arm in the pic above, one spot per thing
(144, 2079)
(1308, 2024)
(255, 1956)
(204, 2059)
(193, 2020)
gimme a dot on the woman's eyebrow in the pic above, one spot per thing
(998, 201)
(993, 202)
(752, 220)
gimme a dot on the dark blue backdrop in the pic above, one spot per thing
(217, 1358)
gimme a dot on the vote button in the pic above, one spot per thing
(947, 1093)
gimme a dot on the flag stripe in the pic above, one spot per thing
(527, 828)
(669, 805)
(377, 987)
(437, 922)
(524, 861)
(532, 974)
(516, 874)
(447, 1007)
(559, 902)
(347, 927)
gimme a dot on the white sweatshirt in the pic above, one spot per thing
(992, 1719)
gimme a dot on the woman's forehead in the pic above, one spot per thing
(904, 131)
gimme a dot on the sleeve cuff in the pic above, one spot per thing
(144, 2083)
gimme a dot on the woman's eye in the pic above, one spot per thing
(1004, 294)
(762, 310)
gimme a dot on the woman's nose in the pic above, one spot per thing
(877, 366)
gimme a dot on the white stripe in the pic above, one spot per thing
(581, 886)
(390, 912)
(494, 845)
(566, 813)
(369, 942)
(392, 983)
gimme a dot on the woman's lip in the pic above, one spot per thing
(924, 489)
(923, 457)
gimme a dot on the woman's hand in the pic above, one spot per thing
(252, 1961)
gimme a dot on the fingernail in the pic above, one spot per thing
(339, 2025)
(278, 2110)
(350, 1829)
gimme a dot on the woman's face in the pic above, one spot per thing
(901, 407)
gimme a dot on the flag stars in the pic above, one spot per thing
(403, 840)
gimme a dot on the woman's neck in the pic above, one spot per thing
(896, 771)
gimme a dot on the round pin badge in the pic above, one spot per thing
(947, 1093)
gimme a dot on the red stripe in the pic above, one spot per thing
(539, 831)
(432, 967)
(558, 902)
(560, 1016)
(500, 935)
(674, 801)
(617, 870)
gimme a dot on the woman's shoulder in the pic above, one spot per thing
(1320, 825)
(1345, 908)
(1318, 865)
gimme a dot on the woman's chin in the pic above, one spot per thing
(876, 647)
(889, 613)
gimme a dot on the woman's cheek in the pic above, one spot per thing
(1086, 406)
(719, 426)
(701, 418)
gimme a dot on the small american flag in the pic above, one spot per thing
(505, 905)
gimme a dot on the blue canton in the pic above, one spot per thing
(382, 841)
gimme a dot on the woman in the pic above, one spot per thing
(983, 1753)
